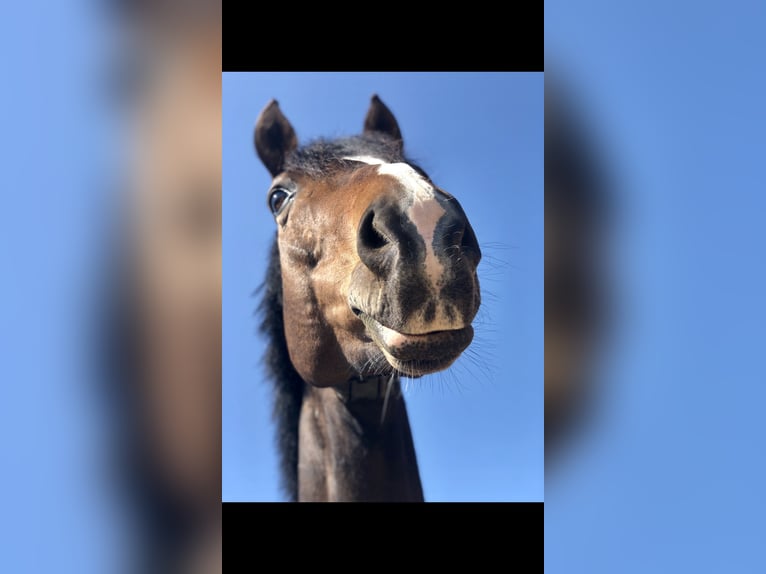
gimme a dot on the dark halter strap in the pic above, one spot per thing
(369, 389)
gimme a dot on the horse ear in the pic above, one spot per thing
(274, 138)
(380, 119)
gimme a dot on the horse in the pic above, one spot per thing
(372, 276)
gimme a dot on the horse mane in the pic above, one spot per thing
(317, 158)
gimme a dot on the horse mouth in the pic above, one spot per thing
(415, 355)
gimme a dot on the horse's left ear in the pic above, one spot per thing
(380, 119)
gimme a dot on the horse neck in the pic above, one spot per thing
(346, 453)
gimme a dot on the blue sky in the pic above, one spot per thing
(669, 476)
(478, 430)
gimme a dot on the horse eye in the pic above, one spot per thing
(278, 199)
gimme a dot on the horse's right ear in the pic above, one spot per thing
(380, 119)
(274, 138)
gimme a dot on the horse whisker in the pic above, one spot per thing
(385, 400)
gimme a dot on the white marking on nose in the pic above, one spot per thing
(410, 180)
(425, 215)
(368, 159)
(425, 211)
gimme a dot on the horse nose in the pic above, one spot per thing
(386, 235)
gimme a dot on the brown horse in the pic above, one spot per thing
(372, 276)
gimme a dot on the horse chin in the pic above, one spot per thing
(415, 355)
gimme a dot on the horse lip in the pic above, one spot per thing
(434, 350)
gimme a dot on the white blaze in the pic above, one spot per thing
(425, 211)
(368, 159)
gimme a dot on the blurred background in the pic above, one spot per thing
(111, 318)
(478, 427)
(657, 464)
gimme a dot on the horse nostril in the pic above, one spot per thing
(373, 242)
(469, 244)
(369, 237)
(467, 238)
(458, 235)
